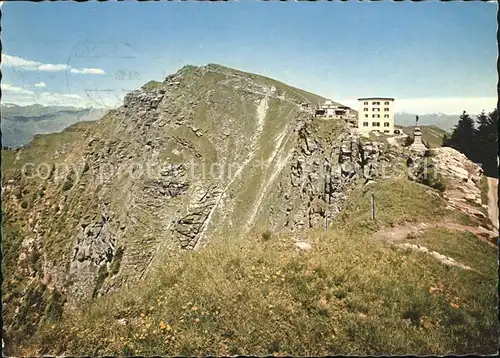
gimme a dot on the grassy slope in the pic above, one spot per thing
(430, 134)
(348, 295)
(68, 148)
(484, 190)
(296, 92)
(39, 153)
(396, 202)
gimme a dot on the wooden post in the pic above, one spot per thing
(373, 207)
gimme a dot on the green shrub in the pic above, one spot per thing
(35, 261)
(427, 174)
(11, 244)
(266, 235)
(115, 264)
(69, 180)
(68, 184)
(102, 273)
(41, 192)
(54, 307)
(52, 170)
(408, 141)
(25, 203)
(18, 194)
(433, 180)
(484, 190)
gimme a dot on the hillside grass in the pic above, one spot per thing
(298, 94)
(8, 158)
(483, 185)
(462, 246)
(42, 147)
(397, 201)
(151, 85)
(348, 295)
(432, 135)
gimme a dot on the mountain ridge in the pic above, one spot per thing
(441, 120)
(21, 123)
(198, 118)
(209, 157)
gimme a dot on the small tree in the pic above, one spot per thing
(486, 150)
(463, 137)
(408, 141)
(427, 174)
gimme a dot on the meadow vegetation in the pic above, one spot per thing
(349, 294)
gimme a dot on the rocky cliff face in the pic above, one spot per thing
(211, 153)
(180, 162)
(464, 182)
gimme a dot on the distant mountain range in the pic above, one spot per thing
(441, 120)
(21, 123)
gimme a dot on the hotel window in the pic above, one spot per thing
(375, 124)
(375, 115)
(386, 124)
(366, 115)
(365, 103)
(365, 109)
(375, 103)
(365, 124)
(386, 109)
(376, 109)
(386, 116)
(386, 131)
(386, 103)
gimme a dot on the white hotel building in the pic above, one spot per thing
(376, 113)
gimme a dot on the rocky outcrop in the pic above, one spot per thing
(208, 153)
(172, 183)
(454, 164)
(94, 250)
(188, 228)
(463, 178)
(329, 160)
(459, 179)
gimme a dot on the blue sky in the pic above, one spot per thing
(432, 56)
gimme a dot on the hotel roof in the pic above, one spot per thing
(363, 98)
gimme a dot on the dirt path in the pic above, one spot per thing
(401, 233)
(493, 200)
(401, 236)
